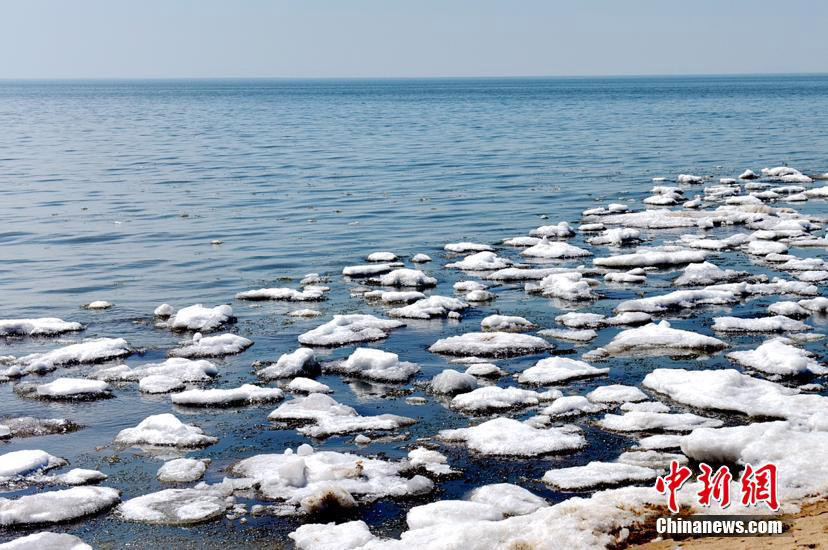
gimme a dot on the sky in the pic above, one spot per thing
(415, 38)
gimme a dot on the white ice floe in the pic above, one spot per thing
(72, 388)
(489, 398)
(428, 308)
(695, 241)
(777, 356)
(246, 394)
(394, 296)
(524, 273)
(349, 329)
(705, 274)
(468, 286)
(451, 381)
(560, 230)
(616, 393)
(678, 299)
(777, 323)
(554, 370)
(368, 270)
(374, 364)
(815, 305)
(450, 512)
(584, 335)
(659, 461)
(430, 460)
(510, 500)
(650, 219)
(163, 311)
(652, 257)
(301, 362)
(554, 250)
(485, 370)
(467, 247)
(645, 421)
(308, 294)
(420, 258)
(56, 506)
(577, 320)
(306, 385)
(490, 344)
(303, 480)
(763, 248)
(478, 296)
(776, 286)
(633, 276)
(46, 540)
(730, 390)
(212, 346)
(748, 175)
(198, 317)
(506, 323)
(176, 368)
(382, 257)
(570, 286)
(164, 430)
(322, 416)
(304, 313)
(28, 426)
(407, 277)
(657, 339)
(98, 304)
(660, 442)
(522, 241)
(160, 383)
(90, 351)
(817, 192)
(42, 326)
(646, 406)
(597, 474)
(689, 179)
(508, 437)
(788, 309)
(182, 470)
(571, 405)
(178, 506)
(482, 261)
(27, 462)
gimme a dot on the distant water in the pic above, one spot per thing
(115, 190)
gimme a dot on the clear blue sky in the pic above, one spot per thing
(377, 38)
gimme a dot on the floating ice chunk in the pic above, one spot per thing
(349, 329)
(177, 368)
(554, 370)
(763, 248)
(705, 274)
(182, 470)
(645, 258)
(43, 326)
(660, 442)
(98, 304)
(508, 437)
(407, 278)
(788, 309)
(164, 430)
(304, 313)
(72, 388)
(468, 286)
(652, 219)
(198, 317)
(647, 406)
(369, 270)
(27, 462)
(689, 179)
(246, 394)
(524, 273)
(616, 393)
(506, 323)
(597, 474)
(451, 381)
(663, 199)
(482, 261)
(332, 536)
(374, 364)
(427, 308)
(382, 257)
(571, 405)
(561, 230)
(80, 476)
(817, 192)
(730, 390)
(694, 241)
(652, 459)
(522, 241)
(306, 385)
(453, 512)
(657, 339)
(776, 286)
(678, 299)
(565, 286)
(56, 506)
(308, 294)
(90, 351)
(644, 421)
(581, 320)
(777, 323)
(420, 258)
(324, 416)
(46, 540)
(554, 250)
(479, 296)
(163, 311)
(634, 276)
(432, 461)
(212, 346)
(812, 276)
(467, 247)
(485, 370)
(777, 356)
(301, 362)
(177, 506)
(490, 344)
(584, 335)
(744, 200)
(748, 175)
(816, 305)
(510, 500)
(491, 398)
(395, 296)
(27, 426)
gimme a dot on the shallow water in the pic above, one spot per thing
(115, 190)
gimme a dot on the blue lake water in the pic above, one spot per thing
(115, 190)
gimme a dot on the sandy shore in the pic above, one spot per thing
(807, 529)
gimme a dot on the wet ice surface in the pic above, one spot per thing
(273, 237)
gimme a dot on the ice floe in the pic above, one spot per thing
(56, 506)
(508, 437)
(462, 247)
(597, 474)
(27, 462)
(554, 370)
(66, 389)
(90, 351)
(616, 393)
(301, 362)
(554, 250)
(198, 317)
(657, 339)
(46, 540)
(482, 261)
(308, 294)
(212, 346)
(349, 329)
(164, 430)
(706, 273)
(42, 326)
(778, 356)
(506, 323)
(306, 385)
(428, 308)
(777, 323)
(645, 421)
(651, 257)
(246, 394)
(490, 398)
(177, 506)
(374, 364)
(490, 344)
(407, 278)
(182, 470)
(584, 335)
(570, 286)
(450, 381)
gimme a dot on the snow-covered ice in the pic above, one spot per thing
(490, 344)
(554, 370)
(507, 437)
(247, 394)
(198, 317)
(349, 329)
(164, 430)
(374, 364)
(182, 470)
(212, 346)
(597, 474)
(42, 326)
